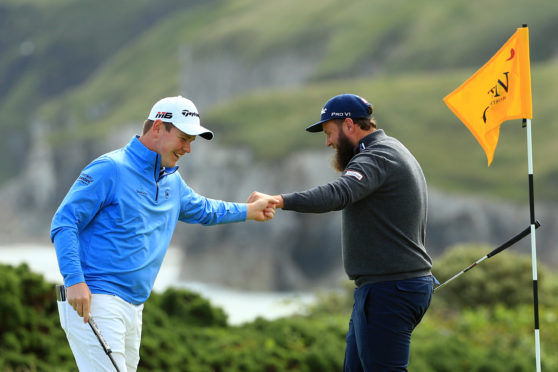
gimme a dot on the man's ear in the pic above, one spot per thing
(156, 128)
(349, 124)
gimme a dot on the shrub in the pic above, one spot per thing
(464, 330)
(30, 334)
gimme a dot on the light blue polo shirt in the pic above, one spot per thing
(114, 226)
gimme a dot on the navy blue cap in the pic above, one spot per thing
(341, 107)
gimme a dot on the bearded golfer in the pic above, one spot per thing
(382, 192)
(114, 226)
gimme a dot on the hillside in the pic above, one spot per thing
(77, 79)
(48, 48)
(409, 107)
(254, 58)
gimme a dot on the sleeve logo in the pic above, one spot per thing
(354, 174)
(85, 179)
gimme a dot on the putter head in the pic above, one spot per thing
(60, 293)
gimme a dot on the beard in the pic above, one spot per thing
(344, 153)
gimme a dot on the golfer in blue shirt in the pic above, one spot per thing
(114, 226)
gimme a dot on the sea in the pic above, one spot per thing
(241, 306)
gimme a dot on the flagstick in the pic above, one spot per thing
(533, 244)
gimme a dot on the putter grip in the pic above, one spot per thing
(97, 332)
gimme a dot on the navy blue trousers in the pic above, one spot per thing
(383, 318)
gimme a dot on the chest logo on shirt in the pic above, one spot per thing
(354, 174)
(167, 194)
(140, 190)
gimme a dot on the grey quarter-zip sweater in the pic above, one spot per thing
(383, 197)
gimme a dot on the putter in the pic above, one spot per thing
(61, 296)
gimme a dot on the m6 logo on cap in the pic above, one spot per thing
(164, 115)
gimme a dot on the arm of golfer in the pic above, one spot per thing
(79, 297)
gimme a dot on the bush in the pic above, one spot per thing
(465, 329)
(30, 334)
(295, 343)
(496, 339)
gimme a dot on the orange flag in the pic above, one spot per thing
(499, 91)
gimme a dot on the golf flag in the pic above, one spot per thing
(499, 91)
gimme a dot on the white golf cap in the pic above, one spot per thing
(182, 113)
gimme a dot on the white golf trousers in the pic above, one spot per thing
(120, 324)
